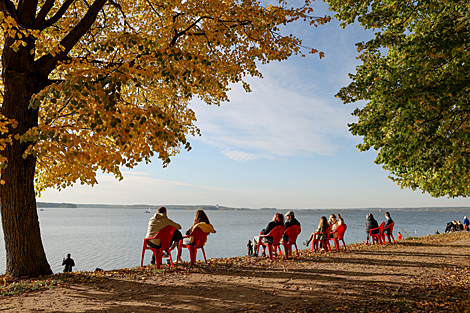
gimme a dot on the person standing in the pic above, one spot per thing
(466, 223)
(157, 223)
(69, 263)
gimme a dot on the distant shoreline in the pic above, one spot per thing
(223, 208)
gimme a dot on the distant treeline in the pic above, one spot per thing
(215, 207)
(154, 207)
(55, 205)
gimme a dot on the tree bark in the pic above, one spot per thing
(25, 254)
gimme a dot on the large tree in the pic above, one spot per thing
(93, 86)
(415, 77)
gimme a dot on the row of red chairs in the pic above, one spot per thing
(377, 235)
(336, 236)
(292, 233)
(165, 235)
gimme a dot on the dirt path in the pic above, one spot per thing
(426, 274)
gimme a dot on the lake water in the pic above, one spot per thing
(112, 238)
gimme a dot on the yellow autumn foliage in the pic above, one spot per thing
(121, 92)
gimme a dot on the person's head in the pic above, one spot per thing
(162, 210)
(201, 217)
(332, 218)
(399, 233)
(387, 214)
(371, 216)
(69, 255)
(289, 215)
(323, 225)
(278, 218)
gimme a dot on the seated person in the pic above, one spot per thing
(290, 221)
(278, 220)
(371, 223)
(399, 237)
(333, 221)
(388, 221)
(202, 221)
(450, 227)
(322, 227)
(157, 223)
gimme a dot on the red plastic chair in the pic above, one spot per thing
(198, 243)
(378, 236)
(326, 242)
(276, 233)
(165, 235)
(292, 233)
(340, 231)
(390, 228)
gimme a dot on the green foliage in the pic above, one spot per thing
(415, 77)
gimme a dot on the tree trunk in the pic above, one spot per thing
(25, 254)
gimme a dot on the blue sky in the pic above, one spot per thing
(284, 145)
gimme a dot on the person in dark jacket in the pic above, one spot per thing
(278, 219)
(290, 221)
(69, 263)
(370, 224)
(451, 227)
(388, 221)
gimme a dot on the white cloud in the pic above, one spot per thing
(287, 117)
(243, 156)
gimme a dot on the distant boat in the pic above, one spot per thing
(148, 211)
(41, 209)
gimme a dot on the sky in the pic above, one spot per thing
(285, 145)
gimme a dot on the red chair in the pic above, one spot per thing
(390, 231)
(276, 233)
(198, 243)
(326, 242)
(378, 236)
(165, 235)
(292, 233)
(340, 236)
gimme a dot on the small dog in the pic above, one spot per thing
(250, 248)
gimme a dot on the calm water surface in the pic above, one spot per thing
(112, 238)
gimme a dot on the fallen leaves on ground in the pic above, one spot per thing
(438, 290)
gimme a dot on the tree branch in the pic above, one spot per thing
(57, 16)
(48, 62)
(41, 17)
(27, 11)
(9, 7)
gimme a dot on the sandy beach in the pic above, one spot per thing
(427, 274)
